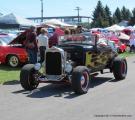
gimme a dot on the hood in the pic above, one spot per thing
(19, 39)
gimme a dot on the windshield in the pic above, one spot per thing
(4, 40)
(83, 38)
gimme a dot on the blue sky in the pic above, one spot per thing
(32, 8)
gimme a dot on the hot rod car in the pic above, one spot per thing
(74, 61)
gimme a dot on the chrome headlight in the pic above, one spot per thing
(37, 66)
(68, 67)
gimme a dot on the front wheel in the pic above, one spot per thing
(119, 68)
(80, 80)
(27, 77)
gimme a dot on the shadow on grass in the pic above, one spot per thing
(60, 90)
(13, 82)
(8, 68)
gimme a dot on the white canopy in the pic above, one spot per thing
(114, 27)
(12, 19)
(57, 23)
(95, 29)
(130, 28)
(123, 36)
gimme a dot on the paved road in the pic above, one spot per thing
(106, 99)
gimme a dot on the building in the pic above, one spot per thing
(67, 19)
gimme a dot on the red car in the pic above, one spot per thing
(11, 53)
(121, 47)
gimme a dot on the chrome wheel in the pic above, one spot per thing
(13, 61)
(85, 80)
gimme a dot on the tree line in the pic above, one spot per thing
(103, 17)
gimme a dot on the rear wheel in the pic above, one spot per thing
(119, 68)
(13, 61)
(27, 77)
(80, 80)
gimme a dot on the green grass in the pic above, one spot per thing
(126, 54)
(8, 74)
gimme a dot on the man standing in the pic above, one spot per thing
(53, 40)
(31, 45)
(42, 43)
(132, 42)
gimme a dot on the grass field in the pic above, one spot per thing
(126, 54)
(8, 74)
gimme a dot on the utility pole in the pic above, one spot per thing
(78, 13)
(42, 10)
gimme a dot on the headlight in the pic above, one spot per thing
(68, 67)
(37, 66)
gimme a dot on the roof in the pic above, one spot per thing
(57, 23)
(115, 27)
(12, 19)
(123, 36)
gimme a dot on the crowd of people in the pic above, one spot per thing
(39, 43)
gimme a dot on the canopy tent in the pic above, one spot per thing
(1, 14)
(57, 23)
(48, 25)
(123, 23)
(128, 30)
(123, 36)
(95, 29)
(131, 28)
(13, 21)
(115, 27)
(114, 38)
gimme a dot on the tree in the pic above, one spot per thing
(132, 20)
(108, 15)
(133, 12)
(117, 17)
(99, 16)
(125, 13)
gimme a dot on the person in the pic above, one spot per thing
(67, 32)
(53, 40)
(73, 31)
(31, 45)
(79, 29)
(132, 42)
(42, 43)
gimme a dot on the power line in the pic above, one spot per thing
(78, 13)
(42, 11)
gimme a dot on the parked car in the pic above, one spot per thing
(74, 61)
(12, 54)
(121, 47)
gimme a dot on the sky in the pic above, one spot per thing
(32, 8)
